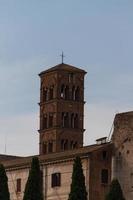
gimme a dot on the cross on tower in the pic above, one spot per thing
(62, 57)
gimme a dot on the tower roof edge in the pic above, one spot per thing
(65, 67)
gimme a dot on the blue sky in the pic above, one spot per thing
(95, 35)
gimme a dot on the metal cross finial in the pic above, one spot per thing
(62, 57)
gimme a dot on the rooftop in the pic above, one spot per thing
(54, 157)
(4, 157)
(125, 113)
(65, 67)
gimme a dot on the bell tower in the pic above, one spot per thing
(61, 109)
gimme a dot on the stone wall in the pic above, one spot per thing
(64, 167)
(100, 160)
(12, 182)
(122, 138)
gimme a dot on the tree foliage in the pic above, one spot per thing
(4, 192)
(78, 188)
(115, 192)
(33, 188)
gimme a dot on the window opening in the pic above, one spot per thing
(44, 148)
(44, 125)
(67, 93)
(76, 121)
(70, 77)
(104, 176)
(73, 93)
(45, 95)
(62, 92)
(56, 180)
(75, 145)
(104, 155)
(66, 145)
(62, 144)
(71, 145)
(65, 120)
(77, 94)
(50, 147)
(50, 120)
(51, 93)
(72, 120)
(18, 185)
(128, 151)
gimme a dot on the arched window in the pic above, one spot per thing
(73, 145)
(50, 147)
(44, 122)
(67, 93)
(44, 148)
(76, 121)
(45, 94)
(64, 145)
(77, 94)
(70, 77)
(72, 120)
(51, 120)
(51, 93)
(62, 94)
(65, 120)
(73, 93)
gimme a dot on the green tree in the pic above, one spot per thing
(33, 188)
(115, 192)
(78, 189)
(4, 192)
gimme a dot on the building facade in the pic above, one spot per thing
(57, 171)
(61, 140)
(122, 159)
(61, 109)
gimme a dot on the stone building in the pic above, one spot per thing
(61, 108)
(61, 140)
(122, 160)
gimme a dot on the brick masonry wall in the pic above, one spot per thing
(123, 152)
(97, 189)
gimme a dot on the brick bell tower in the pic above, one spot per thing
(61, 108)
